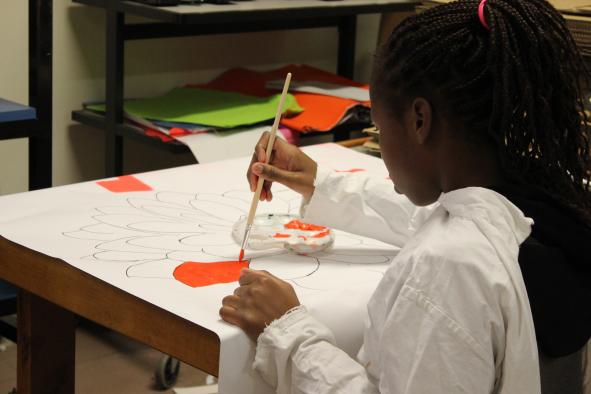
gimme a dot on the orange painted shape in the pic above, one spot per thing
(322, 234)
(280, 235)
(196, 274)
(351, 170)
(126, 183)
(298, 225)
(302, 237)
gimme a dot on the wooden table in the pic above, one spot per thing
(52, 292)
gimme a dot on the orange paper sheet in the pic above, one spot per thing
(126, 183)
(321, 113)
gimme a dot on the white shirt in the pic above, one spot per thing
(451, 314)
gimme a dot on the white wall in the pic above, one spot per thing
(152, 67)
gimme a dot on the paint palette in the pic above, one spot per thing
(283, 231)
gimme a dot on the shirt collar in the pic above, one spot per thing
(472, 202)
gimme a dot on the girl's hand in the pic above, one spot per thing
(289, 166)
(260, 299)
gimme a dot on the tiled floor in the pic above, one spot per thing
(107, 362)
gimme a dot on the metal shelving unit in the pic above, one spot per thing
(37, 129)
(206, 19)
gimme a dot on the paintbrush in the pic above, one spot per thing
(257, 193)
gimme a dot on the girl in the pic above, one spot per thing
(479, 107)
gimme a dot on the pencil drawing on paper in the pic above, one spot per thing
(164, 231)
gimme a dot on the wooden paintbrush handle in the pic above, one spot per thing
(269, 150)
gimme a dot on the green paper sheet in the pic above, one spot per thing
(207, 107)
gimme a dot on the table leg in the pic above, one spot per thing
(46, 347)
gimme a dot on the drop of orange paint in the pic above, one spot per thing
(322, 234)
(281, 235)
(196, 274)
(298, 225)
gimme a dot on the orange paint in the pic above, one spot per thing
(241, 257)
(351, 170)
(302, 237)
(280, 235)
(298, 225)
(196, 274)
(127, 183)
(322, 234)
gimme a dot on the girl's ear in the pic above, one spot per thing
(422, 114)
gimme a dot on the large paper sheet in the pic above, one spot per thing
(208, 147)
(135, 239)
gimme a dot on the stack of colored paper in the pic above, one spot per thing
(206, 107)
(328, 99)
(234, 108)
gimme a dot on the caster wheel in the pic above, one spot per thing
(167, 372)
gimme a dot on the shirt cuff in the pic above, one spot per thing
(272, 342)
(281, 340)
(322, 174)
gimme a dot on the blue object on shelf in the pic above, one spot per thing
(11, 112)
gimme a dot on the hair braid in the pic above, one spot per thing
(518, 85)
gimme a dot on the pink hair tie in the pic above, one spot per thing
(481, 14)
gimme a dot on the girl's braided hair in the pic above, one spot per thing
(517, 83)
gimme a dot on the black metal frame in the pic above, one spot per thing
(227, 20)
(40, 91)
(38, 131)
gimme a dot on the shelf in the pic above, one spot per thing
(18, 129)
(205, 19)
(12, 112)
(16, 120)
(97, 121)
(255, 10)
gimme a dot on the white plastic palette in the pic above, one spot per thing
(283, 231)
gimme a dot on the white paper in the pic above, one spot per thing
(324, 88)
(135, 240)
(222, 145)
(213, 389)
